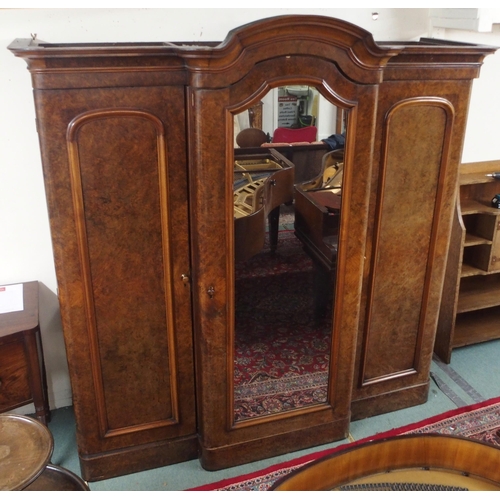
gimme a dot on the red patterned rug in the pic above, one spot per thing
(479, 421)
(281, 352)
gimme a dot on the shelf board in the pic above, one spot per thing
(478, 305)
(473, 240)
(479, 326)
(483, 296)
(468, 207)
(468, 270)
(475, 172)
(476, 178)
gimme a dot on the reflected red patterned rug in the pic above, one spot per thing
(281, 353)
(479, 421)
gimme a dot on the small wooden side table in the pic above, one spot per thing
(22, 368)
(26, 446)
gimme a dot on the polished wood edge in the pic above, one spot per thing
(416, 450)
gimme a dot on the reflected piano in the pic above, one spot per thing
(261, 184)
(317, 211)
(317, 221)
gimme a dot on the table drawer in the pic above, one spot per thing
(14, 376)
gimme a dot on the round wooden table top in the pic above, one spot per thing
(416, 462)
(26, 447)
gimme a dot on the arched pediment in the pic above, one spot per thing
(348, 46)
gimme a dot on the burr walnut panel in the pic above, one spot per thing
(408, 205)
(117, 161)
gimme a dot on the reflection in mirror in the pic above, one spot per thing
(287, 192)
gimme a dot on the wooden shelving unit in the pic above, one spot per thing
(470, 309)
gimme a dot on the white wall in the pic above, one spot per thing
(25, 249)
(483, 123)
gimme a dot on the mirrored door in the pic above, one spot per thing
(287, 201)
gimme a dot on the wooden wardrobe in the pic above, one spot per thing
(137, 150)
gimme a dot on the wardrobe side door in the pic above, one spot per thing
(116, 181)
(420, 129)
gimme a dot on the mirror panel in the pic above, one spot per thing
(287, 194)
